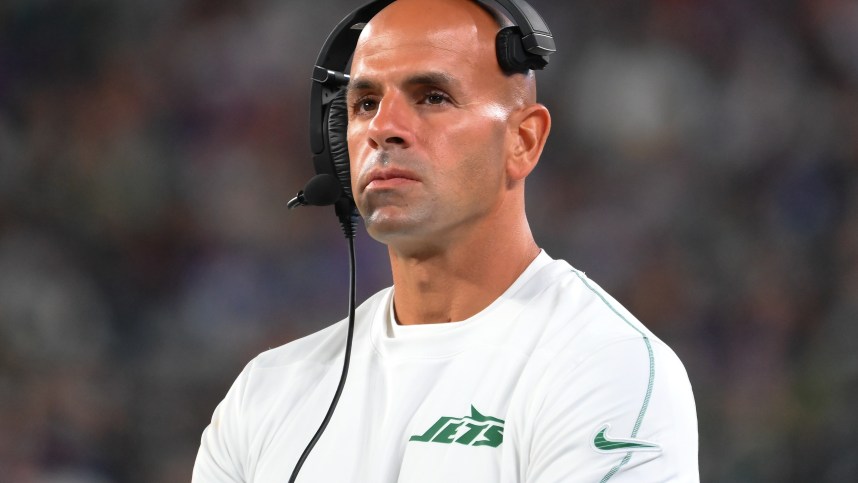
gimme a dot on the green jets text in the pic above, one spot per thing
(473, 430)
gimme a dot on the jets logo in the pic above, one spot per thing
(473, 430)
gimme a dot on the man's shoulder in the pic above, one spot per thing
(581, 317)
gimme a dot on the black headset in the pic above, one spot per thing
(523, 46)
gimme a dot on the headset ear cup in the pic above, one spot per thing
(503, 42)
(337, 128)
(512, 57)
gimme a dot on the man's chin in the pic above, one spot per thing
(388, 228)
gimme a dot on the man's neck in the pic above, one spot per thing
(458, 282)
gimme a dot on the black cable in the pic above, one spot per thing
(348, 354)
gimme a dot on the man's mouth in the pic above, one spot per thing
(386, 178)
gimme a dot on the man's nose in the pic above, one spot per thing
(392, 124)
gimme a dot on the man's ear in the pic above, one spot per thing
(529, 129)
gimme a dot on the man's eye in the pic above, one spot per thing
(436, 98)
(364, 105)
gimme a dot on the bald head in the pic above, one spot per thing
(462, 27)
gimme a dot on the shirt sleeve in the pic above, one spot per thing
(624, 414)
(223, 443)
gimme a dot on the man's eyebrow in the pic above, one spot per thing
(361, 85)
(438, 79)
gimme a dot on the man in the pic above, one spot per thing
(487, 361)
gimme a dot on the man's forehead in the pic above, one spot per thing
(404, 67)
(456, 37)
(389, 51)
(438, 36)
(441, 23)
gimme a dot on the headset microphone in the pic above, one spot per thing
(321, 190)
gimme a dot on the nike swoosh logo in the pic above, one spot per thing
(606, 444)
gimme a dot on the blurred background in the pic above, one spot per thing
(702, 168)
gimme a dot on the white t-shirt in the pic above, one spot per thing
(589, 394)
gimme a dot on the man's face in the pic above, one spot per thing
(427, 122)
